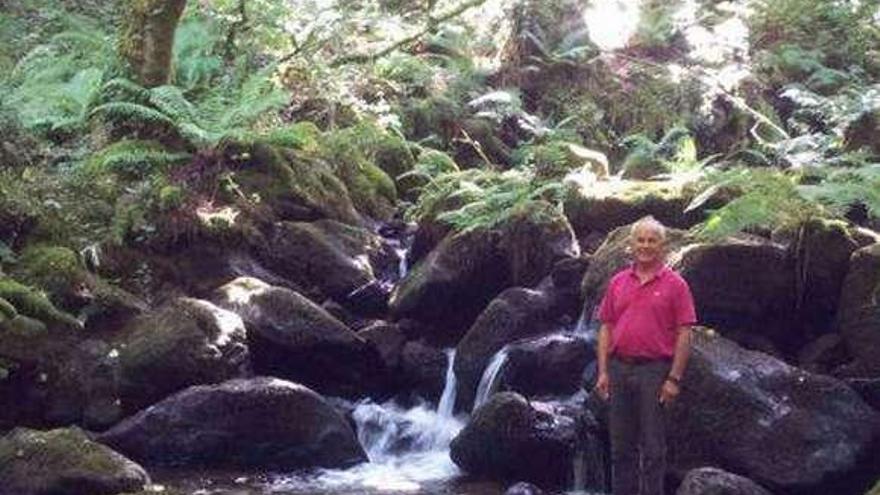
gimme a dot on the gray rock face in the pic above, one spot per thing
(187, 342)
(548, 365)
(746, 286)
(752, 414)
(509, 438)
(713, 481)
(64, 462)
(294, 338)
(325, 257)
(465, 271)
(515, 314)
(523, 488)
(859, 316)
(424, 369)
(264, 422)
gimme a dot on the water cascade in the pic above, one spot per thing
(446, 406)
(488, 382)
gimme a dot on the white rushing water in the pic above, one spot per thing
(446, 406)
(408, 449)
(488, 382)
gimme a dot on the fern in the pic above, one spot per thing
(845, 188)
(126, 113)
(133, 158)
(765, 199)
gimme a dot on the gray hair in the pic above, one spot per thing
(650, 223)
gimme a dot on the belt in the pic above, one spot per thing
(636, 360)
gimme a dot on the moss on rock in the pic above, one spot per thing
(54, 269)
(31, 302)
(294, 185)
(64, 462)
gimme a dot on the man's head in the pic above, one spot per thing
(647, 241)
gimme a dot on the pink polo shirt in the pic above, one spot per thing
(644, 317)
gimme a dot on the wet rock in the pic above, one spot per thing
(258, 422)
(187, 342)
(868, 389)
(294, 338)
(823, 354)
(744, 285)
(780, 426)
(859, 315)
(515, 314)
(550, 365)
(822, 255)
(64, 462)
(509, 438)
(523, 488)
(713, 481)
(457, 279)
(388, 339)
(327, 257)
(424, 369)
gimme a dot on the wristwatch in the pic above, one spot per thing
(675, 380)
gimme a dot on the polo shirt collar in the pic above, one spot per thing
(662, 271)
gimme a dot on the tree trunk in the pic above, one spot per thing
(147, 38)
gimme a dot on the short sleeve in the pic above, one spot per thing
(606, 307)
(685, 313)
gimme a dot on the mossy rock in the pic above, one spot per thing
(875, 490)
(64, 462)
(372, 191)
(7, 310)
(604, 206)
(294, 185)
(393, 155)
(55, 269)
(30, 302)
(437, 116)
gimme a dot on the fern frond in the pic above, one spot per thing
(132, 113)
(170, 101)
(122, 89)
(133, 158)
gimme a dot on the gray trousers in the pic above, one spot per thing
(637, 427)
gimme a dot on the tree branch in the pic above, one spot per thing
(431, 25)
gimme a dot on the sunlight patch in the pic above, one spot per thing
(611, 23)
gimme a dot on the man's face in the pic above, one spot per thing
(647, 246)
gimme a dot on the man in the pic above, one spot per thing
(643, 348)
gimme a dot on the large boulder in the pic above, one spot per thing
(714, 481)
(749, 413)
(64, 462)
(744, 286)
(423, 369)
(614, 204)
(547, 365)
(258, 422)
(328, 258)
(186, 342)
(822, 253)
(515, 314)
(293, 338)
(858, 319)
(466, 270)
(510, 438)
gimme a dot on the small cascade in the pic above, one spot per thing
(488, 382)
(402, 266)
(578, 475)
(446, 406)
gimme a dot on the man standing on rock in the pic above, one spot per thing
(644, 343)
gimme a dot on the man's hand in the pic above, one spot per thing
(603, 386)
(668, 392)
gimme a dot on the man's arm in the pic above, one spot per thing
(602, 351)
(672, 386)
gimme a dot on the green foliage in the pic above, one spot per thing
(413, 72)
(197, 61)
(765, 199)
(845, 188)
(841, 31)
(486, 197)
(54, 269)
(30, 302)
(133, 159)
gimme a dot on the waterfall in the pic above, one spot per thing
(488, 382)
(446, 406)
(402, 265)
